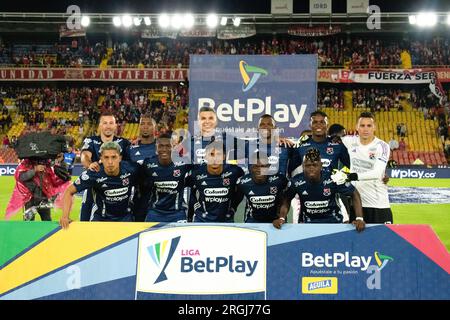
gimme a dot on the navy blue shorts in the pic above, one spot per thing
(253, 220)
(86, 205)
(126, 218)
(155, 216)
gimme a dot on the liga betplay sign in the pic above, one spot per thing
(242, 88)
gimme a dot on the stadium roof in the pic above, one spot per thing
(202, 6)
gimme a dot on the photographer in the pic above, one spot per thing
(37, 183)
(39, 179)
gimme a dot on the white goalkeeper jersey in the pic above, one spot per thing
(369, 162)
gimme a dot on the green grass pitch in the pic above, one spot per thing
(436, 215)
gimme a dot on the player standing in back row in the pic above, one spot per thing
(368, 157)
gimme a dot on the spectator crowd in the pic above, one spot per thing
(340, 50)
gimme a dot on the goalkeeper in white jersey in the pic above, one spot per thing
(368, 159)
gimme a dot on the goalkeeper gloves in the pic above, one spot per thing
(340, 177)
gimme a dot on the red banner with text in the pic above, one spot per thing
(69, 74)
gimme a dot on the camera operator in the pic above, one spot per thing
(38, 182)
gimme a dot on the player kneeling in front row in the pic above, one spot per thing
(317, 193)
(112, 187)
(262, 189)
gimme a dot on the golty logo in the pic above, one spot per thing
(160, 252)
(382, 260)
(256, 72)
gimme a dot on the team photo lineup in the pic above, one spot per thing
(246, 127)
(160, 179)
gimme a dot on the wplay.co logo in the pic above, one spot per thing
(256, 72)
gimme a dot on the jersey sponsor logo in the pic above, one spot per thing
(220, 192)
(273, 160)
(227, 174)
(177, 173)
(273, 178)
(166, 184)
(328, 181)
(262, 199)
(152, 165)
(273, 190)
(330, 150)
(326, 163)
(245, 180)
(299, 183)
(316, 204)
(326, 192)
(100, 180)
(319, 285)
(97, 142)
(125, 182)
(116, 192)
(125, 175)
(200, 152)
(201, 176)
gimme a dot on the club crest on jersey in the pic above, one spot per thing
(177, 173)
(330, 150)
(273, 190)
(226, 181)
(326, 192)
(125, 181)
(371, 155)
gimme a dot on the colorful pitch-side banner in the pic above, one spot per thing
(238, 261)
(241, 88)
(402, 173)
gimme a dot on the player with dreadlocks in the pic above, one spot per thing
(317, 193)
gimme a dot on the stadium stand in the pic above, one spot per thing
(354, 51)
